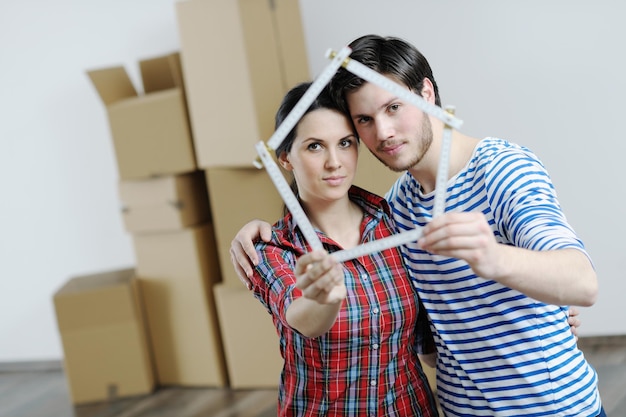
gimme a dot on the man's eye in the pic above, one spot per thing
(394, 108)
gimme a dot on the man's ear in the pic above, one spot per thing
(428, 91)
(283, 160)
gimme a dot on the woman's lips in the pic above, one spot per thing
(335, 180)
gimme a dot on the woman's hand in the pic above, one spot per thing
(320, 277)
(573, 320)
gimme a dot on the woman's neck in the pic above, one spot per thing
(339, 220)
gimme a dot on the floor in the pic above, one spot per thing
(40, 390)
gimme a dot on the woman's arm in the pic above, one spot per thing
(320, 278)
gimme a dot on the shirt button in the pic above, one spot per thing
(375, 310)
(364, 277)
(373, 382)
(375, 346)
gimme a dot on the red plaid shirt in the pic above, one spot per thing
(367, 364)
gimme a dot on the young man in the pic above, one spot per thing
(497, 270)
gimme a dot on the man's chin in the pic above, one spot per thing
(394, 166)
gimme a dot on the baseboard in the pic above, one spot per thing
(611, 340)
(32, 366)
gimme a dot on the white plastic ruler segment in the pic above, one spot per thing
(380, 80)
(378, 245)
(290, 200)
(307, 99)
(441, 184)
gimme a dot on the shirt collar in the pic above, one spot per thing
(373, 206)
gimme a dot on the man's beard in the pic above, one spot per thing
(424, 144)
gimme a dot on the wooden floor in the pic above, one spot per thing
(40, 390)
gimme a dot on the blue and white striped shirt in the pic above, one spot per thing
(500, 352)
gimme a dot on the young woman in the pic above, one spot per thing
(350, 333)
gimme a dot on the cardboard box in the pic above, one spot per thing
(251, 344)
(106, 354)
(165, 203)
(176, 271)
(431, 374)
(238, 195)
(239, 58)
(151, 133)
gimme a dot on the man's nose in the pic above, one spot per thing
(384, 128)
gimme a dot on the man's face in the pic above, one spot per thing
(396, 132)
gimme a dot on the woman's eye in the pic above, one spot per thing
(363, 120)
(314, 146)
(345, 143)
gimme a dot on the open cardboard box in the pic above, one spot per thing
(151, 133)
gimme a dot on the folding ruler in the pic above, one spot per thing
(341, 59)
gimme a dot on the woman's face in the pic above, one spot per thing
(323, 157)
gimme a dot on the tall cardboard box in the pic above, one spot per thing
(151, 134)
(177, 271)
(102, 327)
(239, 59)
(238, 195)
(251, 344)
(167, 203)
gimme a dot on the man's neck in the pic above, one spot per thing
(461, 150)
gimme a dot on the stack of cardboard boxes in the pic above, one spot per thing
(239, 58)
(165, 208)
(184, 151)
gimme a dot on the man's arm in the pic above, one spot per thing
(559, 277)
(242, 252)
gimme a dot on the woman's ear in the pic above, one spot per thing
(283, 160)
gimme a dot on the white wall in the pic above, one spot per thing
(59, 212)
(544, 74)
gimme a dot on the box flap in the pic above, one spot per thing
(113, 84)
(161, 73)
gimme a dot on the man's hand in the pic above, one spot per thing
(464, 236)
(560, 277)
(574, 321)
(242, 252)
